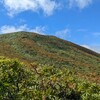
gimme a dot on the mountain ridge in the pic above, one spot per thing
(71, 43)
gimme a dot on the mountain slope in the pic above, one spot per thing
(51, 50)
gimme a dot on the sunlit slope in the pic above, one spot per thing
(50, 50)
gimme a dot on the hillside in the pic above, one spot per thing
(32, 47)
(42, 82)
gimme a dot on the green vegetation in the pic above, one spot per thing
(52, 69)
(52, 51)
(42, 82)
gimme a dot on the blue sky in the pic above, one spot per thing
(77, 21)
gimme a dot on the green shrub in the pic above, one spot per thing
(42, 82)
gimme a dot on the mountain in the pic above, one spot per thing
(50, 50)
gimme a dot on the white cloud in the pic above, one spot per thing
(63, 33)
(9, 29)
(94, 48)
(38, 29)
(79, 3)
(17, 6)
(86, 46)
